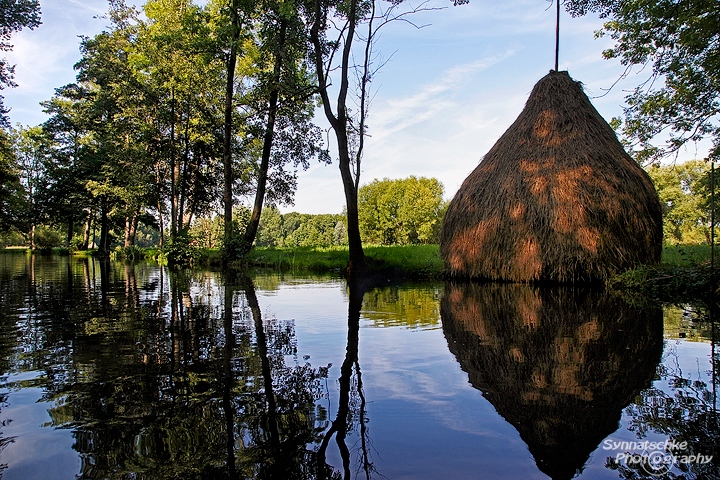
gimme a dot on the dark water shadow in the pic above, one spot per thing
(559, 364)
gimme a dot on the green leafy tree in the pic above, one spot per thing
(282, 97)
(64, 196)
(14, 16)
(677, 43)
(271, 230)
(141, 120)
(118, 165)
(172, 59)
(314, 231)
(340, 236)
(336, 30)
(29, 151)
(10, 188)
(683, 192)
(378, 205)
(229, 38)
(207, 231)
(407, 211)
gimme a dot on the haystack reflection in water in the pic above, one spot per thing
(558, 364)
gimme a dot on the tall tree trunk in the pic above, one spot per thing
(86, 231)
(133, 228)
(183, 173)
(252, 228)
(131, 224)
(104, 247)
(161, 220)
(71, 225)
(356, 260)
(128, 223)
(229, 247)
(339, 123)
(174, 173)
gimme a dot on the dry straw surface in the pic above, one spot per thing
(556, 198)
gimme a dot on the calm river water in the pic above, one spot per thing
(135, 372)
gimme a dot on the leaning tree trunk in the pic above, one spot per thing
(104, 247)
(252, 228)
(339, 123)
(131, 224)
(356, 260)
(228, 247)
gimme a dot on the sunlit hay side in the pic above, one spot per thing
(556, 198)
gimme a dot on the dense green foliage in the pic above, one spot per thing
(14, 16)
(686, 271)
(139, 139)
(275, 229)
(678, 44)
(684, 191)
(406, 211)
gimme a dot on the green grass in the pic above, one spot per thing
(685, 272)
(14, 249)
(418, 261)
(686, 255)
(314, 259)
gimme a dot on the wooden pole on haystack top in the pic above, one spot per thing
(557, 34)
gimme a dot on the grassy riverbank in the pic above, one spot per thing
(684, 273)
(416, 261)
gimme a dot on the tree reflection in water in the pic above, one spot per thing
(681, 409)
(351, 401)
(163, 374)
(156, 374)
(165, 386)
(281, 437)
(559, 364)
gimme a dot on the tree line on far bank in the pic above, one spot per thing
(392, 212)
(397, 212)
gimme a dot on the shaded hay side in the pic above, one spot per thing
(556, 198)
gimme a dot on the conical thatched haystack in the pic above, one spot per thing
(556, 198)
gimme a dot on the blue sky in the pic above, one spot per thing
(444, 97)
